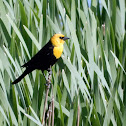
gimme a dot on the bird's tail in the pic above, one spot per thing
(27, 71)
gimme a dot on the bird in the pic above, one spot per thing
(46, 57)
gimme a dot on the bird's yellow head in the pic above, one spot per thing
(58, 39)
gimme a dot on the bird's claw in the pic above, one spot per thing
(50, 70)
(48, 85)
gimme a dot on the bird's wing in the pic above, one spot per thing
(43, 54)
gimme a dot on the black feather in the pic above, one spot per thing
(27, 71)
(41, 61)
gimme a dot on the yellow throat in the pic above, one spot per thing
(57, 51)
(57, 42)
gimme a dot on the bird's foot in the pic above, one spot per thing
(48, 84)
(48, 80)
(50, 70)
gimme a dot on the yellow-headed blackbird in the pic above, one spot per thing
(46, 57)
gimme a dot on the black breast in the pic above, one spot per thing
(43, 59)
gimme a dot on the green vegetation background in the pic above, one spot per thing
(91, 75)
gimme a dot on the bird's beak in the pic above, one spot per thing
(65, 38)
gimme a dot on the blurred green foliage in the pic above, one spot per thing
(91, 75)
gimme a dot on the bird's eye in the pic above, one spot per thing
(61, 37)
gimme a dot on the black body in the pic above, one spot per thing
(41, 61)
